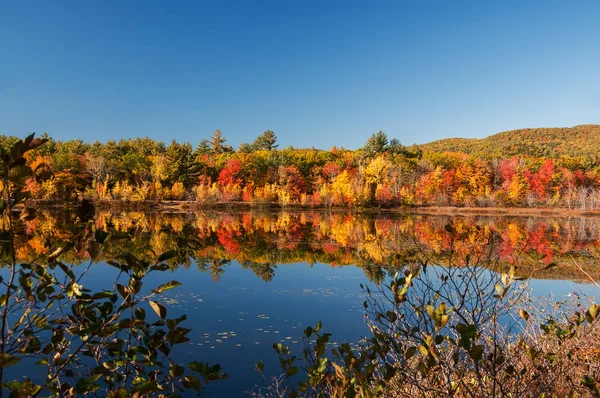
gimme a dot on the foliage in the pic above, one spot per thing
(259, 240)
(382, 174)
(83, 342)
(217, 143)
(265, 142)
(448, 332)
(578, 141)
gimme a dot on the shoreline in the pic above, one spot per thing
(192, 206)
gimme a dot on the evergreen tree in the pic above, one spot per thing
(180, 161)
(266, 141)
(217, 142)
(396, 147)
(377, 143)
(246, 148)
(203, 148)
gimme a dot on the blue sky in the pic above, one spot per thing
(318, 73)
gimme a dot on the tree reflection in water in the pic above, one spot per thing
(259, 241)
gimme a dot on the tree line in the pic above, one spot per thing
(383, 173)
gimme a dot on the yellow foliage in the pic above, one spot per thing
(342, 189)
(516, 189)
(178, 191)
(207, 194)
(268, 193)
(49, 189)
(284, 197)
(378, 170)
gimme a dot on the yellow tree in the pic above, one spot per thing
(376, 173)
(516, 189)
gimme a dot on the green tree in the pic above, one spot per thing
(182, 167)
(377, 143)
(266, 141)
(217, 143)
(396, 147)
(203, 148)
(246, 148)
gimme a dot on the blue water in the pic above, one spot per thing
(236, 320)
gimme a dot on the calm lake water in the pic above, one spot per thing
(253, 279)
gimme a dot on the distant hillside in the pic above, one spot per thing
(581, 140)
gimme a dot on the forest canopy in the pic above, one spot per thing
(532, 167)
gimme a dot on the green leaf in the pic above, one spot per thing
(18, 174)
(318, 326)
(260, 366)
(308, 332)
(167, 256)
(140, 314)
(160, 309)
(120, 393)
(102, 295)
(22, 388)
(123, 290)
(7, 360)
(524, 314)
(166, 286)
(147, 386)
(466, 331)
(592, 312)
(391, 316)
(199, 367)
(101, 236)
(191, 382)
(410, 352)
(477, 352)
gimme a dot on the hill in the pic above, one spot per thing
(583, 140)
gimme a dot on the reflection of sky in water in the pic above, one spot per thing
(235, 321)
(558, 288)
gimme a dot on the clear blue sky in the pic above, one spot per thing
(318, 73)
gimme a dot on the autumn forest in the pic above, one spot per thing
(500, 171)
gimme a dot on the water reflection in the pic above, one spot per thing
(236, 321)
(260, 241)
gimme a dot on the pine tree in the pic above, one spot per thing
(377, 143)
(217, 142)
(266, 141)
(203, 148)
(246, 148)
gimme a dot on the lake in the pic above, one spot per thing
(251, 279)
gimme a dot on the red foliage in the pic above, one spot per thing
(540, 183)
(508, 168)
(231, 173)
(247, 194)
(226, 238)
(292, 181)
(331, 170)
